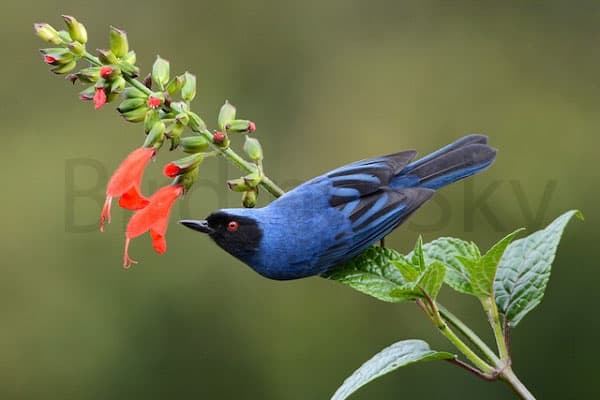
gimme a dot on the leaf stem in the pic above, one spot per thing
(473, 370)
(491, 310)
(228, 153)
(455, 340)
(469, 334)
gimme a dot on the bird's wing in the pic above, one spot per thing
(372, 217)
(361, 192)
(364, 177)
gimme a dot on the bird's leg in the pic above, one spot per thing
(382, 242)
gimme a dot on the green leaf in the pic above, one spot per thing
(454, 254)
(525, 267)
(432, 278)
(373, 272)
(483, 271)
(393, 357)
(408, 271)
(418, 259)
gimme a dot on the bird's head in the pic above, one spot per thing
(234, 230)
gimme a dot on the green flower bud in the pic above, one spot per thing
(196, 123)
(129, 69)
(175, 85)
(226, 115)
(239, 126)
(194, 144)
(152, 118)
(249, 198)
(110, 96)
(106, 57)
(238, 185)
(77, 48)
(64, 36)
(252, 179)
(175, 139)
(134, 93)
(173, 132)
(156, 136)
(88, 75)
(88, 93)
(188, 91)
(131, 104)
(187, 179)
(57, 56)
(179, 106)
(130, 57)
(118, 42)
(182, 118)
(182, 165)
(65, 68)
(135, 115)
(118, 85)
(160, 72)
(76, 29)
(47, 33)
(253, 148)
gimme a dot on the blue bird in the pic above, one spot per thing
(337, 215)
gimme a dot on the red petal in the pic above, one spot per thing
(129, 173)
(171, 170)
(158, 242)
(156, 214)
(133, 200)
(49, 59)
(99, 98)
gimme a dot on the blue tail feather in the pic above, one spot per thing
(465, 157)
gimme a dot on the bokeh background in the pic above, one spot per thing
(327, 82)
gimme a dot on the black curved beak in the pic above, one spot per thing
(197, 225)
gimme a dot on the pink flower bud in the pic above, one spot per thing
(219, 137)
(251, 127)
(49, 60)
(171, 170)
(106, 71)
(153, 102)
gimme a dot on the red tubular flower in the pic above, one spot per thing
(125, 182)
(99, 98)
(154, 218)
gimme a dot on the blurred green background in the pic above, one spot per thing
(327, 82)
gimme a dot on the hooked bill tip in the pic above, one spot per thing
(197, 225)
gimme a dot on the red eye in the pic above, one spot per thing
(232, 226)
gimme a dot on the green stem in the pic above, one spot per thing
(228, 153)
(494, 319)
(469, 334)
(511, 379)
(456, 341)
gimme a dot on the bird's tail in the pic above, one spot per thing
(467, 156)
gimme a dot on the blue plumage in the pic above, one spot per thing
(335, 216)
